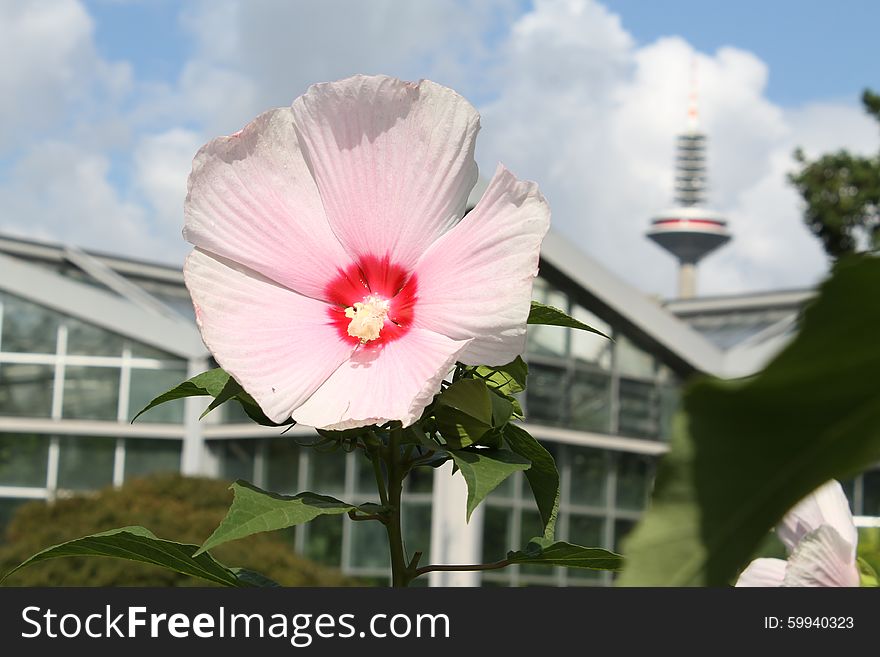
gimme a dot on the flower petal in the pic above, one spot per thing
(476, 280)
(822, 558)
(826, 505)
(395, 381)
(394, 161)
(280, 346)
(252, 200)
(763, 572)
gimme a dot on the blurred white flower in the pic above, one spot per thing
(821, 539)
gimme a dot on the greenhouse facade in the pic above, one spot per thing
(86, 340)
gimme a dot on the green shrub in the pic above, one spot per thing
(183, 509)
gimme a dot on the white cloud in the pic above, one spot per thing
(568, 99)
(62, 193)
(161, 165)
(592, 117)
(48, 64)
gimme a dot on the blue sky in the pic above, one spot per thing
(106, 102)
(815, 49)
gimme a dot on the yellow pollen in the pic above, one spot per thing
(367, 318)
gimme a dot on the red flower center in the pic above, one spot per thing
(368, 280)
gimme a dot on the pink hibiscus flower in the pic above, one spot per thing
(821, 538)
(334, 276)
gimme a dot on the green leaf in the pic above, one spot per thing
(464, 412)
(255, 510)
(251, 578)
(543, 477)
(867, 575)
(484, 469)
(218, 384)
(546, 552)
(140, 544)
(747, 451)
(506, 379)
(550, 316)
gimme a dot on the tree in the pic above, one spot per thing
(185, 509)
(842, 195)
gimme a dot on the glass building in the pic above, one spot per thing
(87, 339)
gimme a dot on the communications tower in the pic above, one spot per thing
(689, 230)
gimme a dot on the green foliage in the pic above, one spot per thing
(185, 509)
(841, 192)
(141, 545)
(869, 547)
(254, 510)
(543, 477)
(550, 316)
(218, 384)
(547, 553)
(484, 469)
(745, 452)
(468, 411)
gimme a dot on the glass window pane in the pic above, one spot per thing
(670, 398)
(591, 401)
(26, 390)
(327, 471)
(634, 473)
(85, 463)
(369, 545)
(639, 409)
(545, 394)
(420, 480)
(140, 350)
(633, 361)
(588, 531)
(90, 393)
(24, 459)
(871, 493)
(233, 413)
(324, 539)
(590, 347)
(496, 533)
(547, 340)
(282, 465)
(237, 459)
(365, 477)
(28, 327)
(146, 385)
(8, 507)
(589, 470)
(621, 529)
(145, 456)
(417, 530)
(531, 527)
(88, 340)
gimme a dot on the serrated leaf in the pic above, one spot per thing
(484, 469)
(469, 413)
(255, 510)
(140, 544)
(218, 384)
(506, 379)
(550, 316)
(544, 552)
(543, 477)
(747, 451)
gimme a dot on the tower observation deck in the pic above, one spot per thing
(689, 230)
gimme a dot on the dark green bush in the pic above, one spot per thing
(182, 509)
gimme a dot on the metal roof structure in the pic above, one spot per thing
(148, 302)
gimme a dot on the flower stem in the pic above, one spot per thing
(399, 572)
(380, 479)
